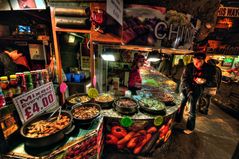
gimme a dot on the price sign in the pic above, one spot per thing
(35, 101)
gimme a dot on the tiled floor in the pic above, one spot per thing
(215, 137)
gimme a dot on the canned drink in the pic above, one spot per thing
(21, 81)
(35, 79)
(28, 78)
(45, 75)
(41, 81)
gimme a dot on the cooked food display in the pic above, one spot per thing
(85, 112)
(104, 98)
(165, 97)
(126, 102)
(82, 99)
(153, 104)
(44, 128)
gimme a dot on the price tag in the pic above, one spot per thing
(35, 101)
(126, 121)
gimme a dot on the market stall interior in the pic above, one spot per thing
(101, 79)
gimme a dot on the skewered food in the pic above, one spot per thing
(85, 112)
(104, 98)
(82, 99)
(126, 102)
(43, 128)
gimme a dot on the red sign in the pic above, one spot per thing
(35, 101)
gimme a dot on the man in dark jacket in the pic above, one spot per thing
(205, 100)
(196, 76)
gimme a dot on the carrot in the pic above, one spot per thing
(139, 148)
(152, 130)
(118, 131)
(140, 133)
(111, 139)
(126, 138)
(133, 142)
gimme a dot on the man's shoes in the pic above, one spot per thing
(205, 112)
(188, 132)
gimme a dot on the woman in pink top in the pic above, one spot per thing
(135, 79)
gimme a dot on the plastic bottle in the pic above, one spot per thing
(2, 99)
(21, 82)
(13, 84)
(4, 84)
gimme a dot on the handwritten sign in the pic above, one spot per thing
(228, 12)
(35, 101)
(115, 9)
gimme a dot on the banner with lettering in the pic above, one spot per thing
(35, 101)
(228, 12)
(158, 27)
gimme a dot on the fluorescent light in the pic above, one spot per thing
(153, 56)
(108, 57)
(153, 59)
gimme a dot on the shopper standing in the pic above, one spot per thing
(196, 76)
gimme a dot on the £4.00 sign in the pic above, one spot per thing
(35, 101)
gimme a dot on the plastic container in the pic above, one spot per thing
(77, 78)
(69, 77)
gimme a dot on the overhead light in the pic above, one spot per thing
(153, 56)
(108, 57)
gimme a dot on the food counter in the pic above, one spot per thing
(142, 131)
(136, 124)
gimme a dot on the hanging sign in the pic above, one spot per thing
(115, 9)
(35, 101)
(228, 12)
(216, 47)
(157, 27)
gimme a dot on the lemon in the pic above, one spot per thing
(158, 120)
(93, 93)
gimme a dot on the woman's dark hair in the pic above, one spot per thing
(137, 58)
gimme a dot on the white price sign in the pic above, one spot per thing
(115, 9)
(35, 101)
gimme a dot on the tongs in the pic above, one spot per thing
(55, 118)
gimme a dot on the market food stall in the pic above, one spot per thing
(135, 124)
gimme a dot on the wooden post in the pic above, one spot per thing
(57, 52)
(92, 56)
